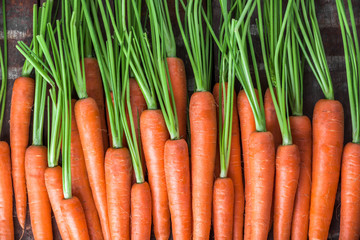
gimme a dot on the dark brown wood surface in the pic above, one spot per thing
(19, 20)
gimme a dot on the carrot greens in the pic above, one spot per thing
(4, 70)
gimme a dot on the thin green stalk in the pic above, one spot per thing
(4, 70)
(352, 60)
(197, 41)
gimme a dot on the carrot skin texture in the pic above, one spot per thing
(350, 193)
(202, 112)
(286, 181)
(272, 123)
(95, 90)
(262, 160)
(178, 82)
(80, 185)
(53, 182)
(74, 216)
(235, 170)
(177, 172)
(223, 206)
(328, 138)
(247, 126)
(39, 203)
(140, 211)
(88, 123)
(154, 134)
(6, 193)
(22, 101)
(301, 133)
(118, 188)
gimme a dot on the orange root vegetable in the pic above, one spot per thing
(95, 90)
(118, 188)
(140, 211)
(328, 138)
(74, 217)
(247, 126)
(39, 203)
(177, 171)
(202, 112)
(22, 101)
(80, 185)
(350, 192)
(301, 133)
(89, 125)
(223, 206)
(153, 136)
(262, 171)
(286, 181)
(53, 182)
(272, 123)
(178, 82)
(6, 194)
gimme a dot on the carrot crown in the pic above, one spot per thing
(3, 66)
(295, 66)
(312, 46)
(278, 60)
(197, 41)
(352, 60)
(41, 15)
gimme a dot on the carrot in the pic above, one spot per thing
(247, 125)
(6, 193)
(39, 203)
(223, 208)
(95, 90)
(89, 125)
(350, 192)
(178, 81)
(153, 136)
(272, 123)
(203, 140)
(53, 182)
(177, 172)
(80, 183)
(21, 103)
(140, 211)
(235, 171)
(301, 133)
(118, 186)
(286, 180)
(74, 217)
(262, 170)
(328, 135)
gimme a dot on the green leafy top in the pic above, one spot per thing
(312, 46)
(3, 65)
(352, 60)
(278, 60)
(198, 42)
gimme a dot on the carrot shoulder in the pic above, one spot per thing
(39, 203)
(178, 186)
(350, 192)
(89, 125)
(6, 193)
(80, 185)
(272, 123)
(22, 101)
(328, 137)
(301, 133)
(203, 128)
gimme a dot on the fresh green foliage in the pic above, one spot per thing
(274, 53)
(197, 41)
(312, 46)
(3, 65)
(352, 60)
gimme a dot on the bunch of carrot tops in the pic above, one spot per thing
(127, 153)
